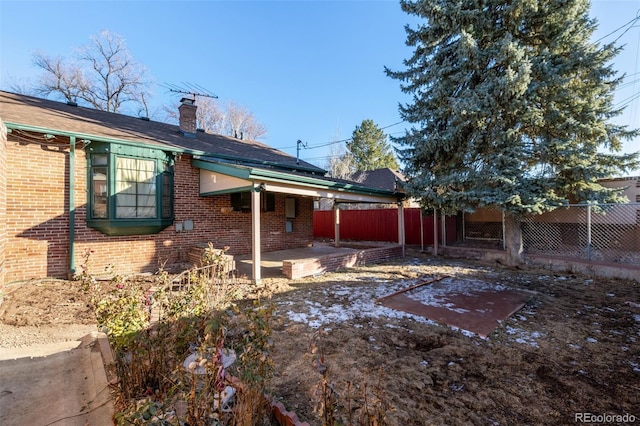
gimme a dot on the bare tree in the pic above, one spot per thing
(211, 118)
(58, 78)
(22, 86)
(240, 122)
(340, 163)
(102, 74)
(231, 119)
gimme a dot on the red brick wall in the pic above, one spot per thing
(295, 269)
(37, 220)
(3, 204)
(36, 213)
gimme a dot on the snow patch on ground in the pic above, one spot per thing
(344, 303)
(355, 303)
(523, 337)
(434, 295)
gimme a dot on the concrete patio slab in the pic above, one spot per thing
(477, 311)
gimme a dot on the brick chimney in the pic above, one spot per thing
(188, 120)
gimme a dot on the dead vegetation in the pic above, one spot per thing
(574, 348)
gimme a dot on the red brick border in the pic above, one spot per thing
(299, 268)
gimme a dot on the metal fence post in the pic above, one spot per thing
(589, 232)
(443, 226)
(435, 232)
(421, 231)
(504, 243)
(464, 230)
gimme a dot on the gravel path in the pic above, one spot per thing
(24, 336)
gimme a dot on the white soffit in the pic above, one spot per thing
(215, 182)
(326, 193)
(212, 182)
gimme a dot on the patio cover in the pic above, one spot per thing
(225, 177)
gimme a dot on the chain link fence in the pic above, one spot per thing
(606, 233)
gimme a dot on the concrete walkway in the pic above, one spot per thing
(55, 384)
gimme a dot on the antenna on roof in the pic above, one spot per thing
(298, 144)
(190, 89)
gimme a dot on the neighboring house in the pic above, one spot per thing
(141, 194)
(385, 179)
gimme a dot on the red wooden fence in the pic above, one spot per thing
(380, 225)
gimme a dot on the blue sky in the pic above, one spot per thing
(308, 70)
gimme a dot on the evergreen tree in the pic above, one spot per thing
(369, 148)
(511, 108)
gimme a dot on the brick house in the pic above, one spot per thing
(142, 193)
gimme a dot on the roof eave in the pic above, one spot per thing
(251, 173)
(94, 138)
(241, 160)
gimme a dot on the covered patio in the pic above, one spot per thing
(222, 177)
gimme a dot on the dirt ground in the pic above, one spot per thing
(574, 348)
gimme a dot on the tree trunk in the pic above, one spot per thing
(513, 240)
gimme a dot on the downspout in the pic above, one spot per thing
(72, 205)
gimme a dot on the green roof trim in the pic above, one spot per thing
(261, 162)
(92, 138)
(254, 173)
(156, 145)
(241, 171)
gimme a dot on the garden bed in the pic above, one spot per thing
(573, 348)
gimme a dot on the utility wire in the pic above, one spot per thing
(630, 24)
(323, 144)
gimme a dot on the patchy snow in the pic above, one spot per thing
(434, 295)
(524, 337)
(357, 303)
(354, 303)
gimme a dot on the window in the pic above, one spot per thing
(99, 186)
(135, 188)
(241, 201)
(130, 189)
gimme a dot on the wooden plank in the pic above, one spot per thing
(404, 290)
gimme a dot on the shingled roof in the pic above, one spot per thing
(44, 113)
(384, 178)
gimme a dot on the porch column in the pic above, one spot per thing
(401, 236)
(255, 236)
(336, 224)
